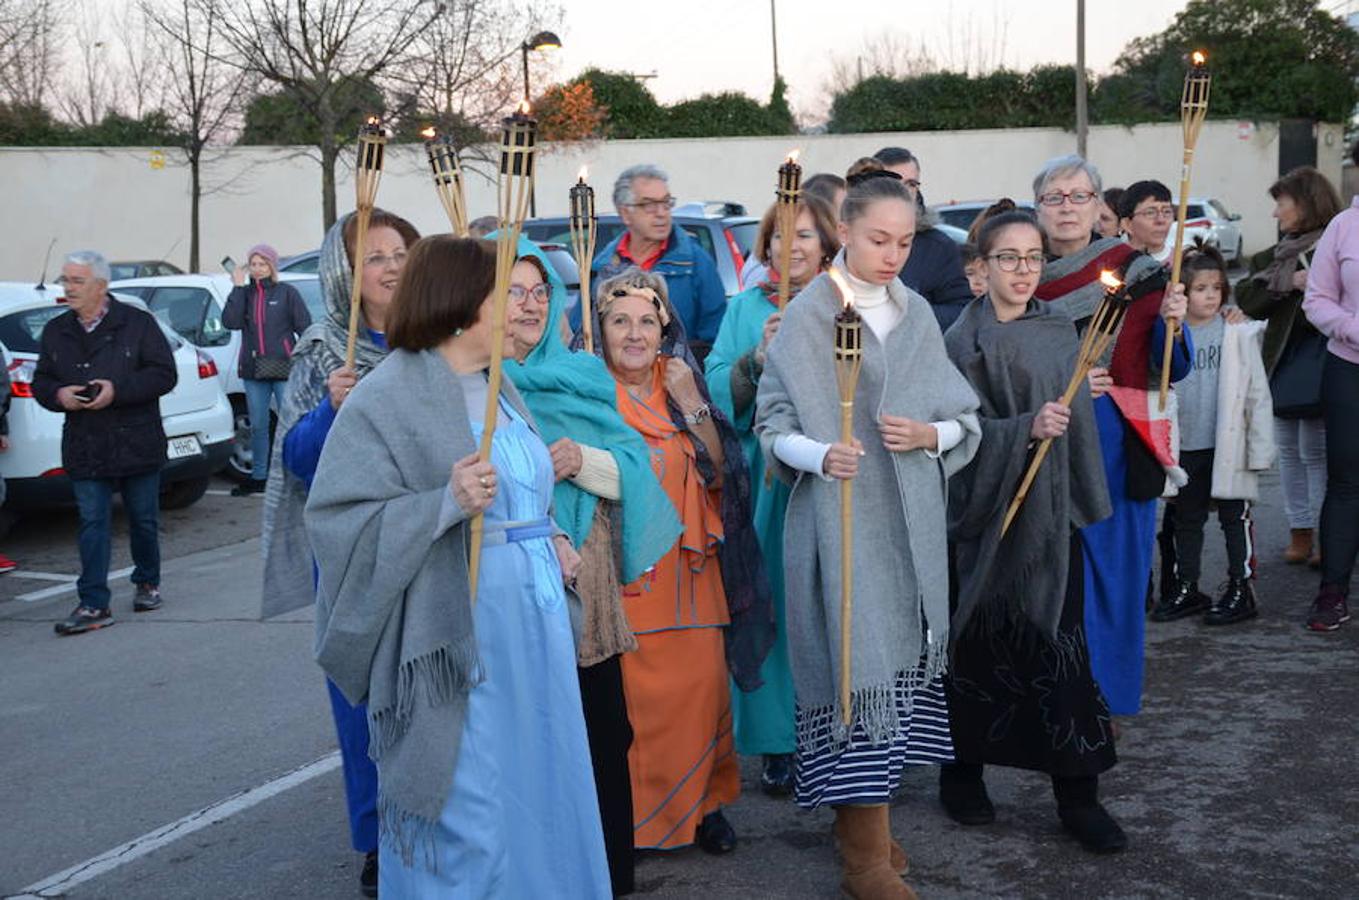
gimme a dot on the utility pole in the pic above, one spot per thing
(1082, 113)
(774, 36)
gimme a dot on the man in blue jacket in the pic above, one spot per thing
(655, 243)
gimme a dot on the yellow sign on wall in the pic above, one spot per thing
(157, 159)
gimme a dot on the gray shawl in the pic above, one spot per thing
(1016, 367)
(288, 581)
(393, 611)
(900, 546)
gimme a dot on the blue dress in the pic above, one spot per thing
(522, 819)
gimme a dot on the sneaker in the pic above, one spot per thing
(1185, 601)
(777, 778)
(368, 878)
(1329, 610)
(85, 618)
(250, 487)
(146, 599)
(1236, 604)
(7, 564)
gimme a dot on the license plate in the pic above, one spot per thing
(181, 447)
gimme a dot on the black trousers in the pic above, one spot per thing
(610, 734)
(1340, 512)
(1191, 514)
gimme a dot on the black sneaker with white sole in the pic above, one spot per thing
(147, 599)
(85, 618)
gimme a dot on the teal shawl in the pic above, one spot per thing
(572, 395)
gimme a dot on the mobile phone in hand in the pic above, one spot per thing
(229, 264)
(89, 392)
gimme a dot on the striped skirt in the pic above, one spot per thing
(861, 773)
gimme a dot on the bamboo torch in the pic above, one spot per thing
(848, 363)
(444, 163)
(515, 185)
(584, 227)
(367, 174)
(1103, 326)
(1193, 110)
(788, 193)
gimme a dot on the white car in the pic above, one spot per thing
(196, 415)
(1208, 219)
(191, 306)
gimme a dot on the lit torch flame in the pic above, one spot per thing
(525, 107)
(793, 155)
(1110, 280)
(1199, 58)
(584, 172)
(373, 120)
(842, 284)
(428, 133)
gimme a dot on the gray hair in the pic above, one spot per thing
(622, 187)
(1071, 164)
(99, 266)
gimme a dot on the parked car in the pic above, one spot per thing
(191, 306)
(1209, 219)
(727, 238)
(196, 415)
(307, 263)
(144, 268)
(962, 215)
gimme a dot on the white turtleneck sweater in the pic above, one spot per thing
(881, 313)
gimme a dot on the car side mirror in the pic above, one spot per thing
(1234, 217)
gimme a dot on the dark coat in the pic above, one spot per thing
(127, 348)
(934, 270)
(273, 334)
(1282, 312)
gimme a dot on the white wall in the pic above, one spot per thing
(116, 201)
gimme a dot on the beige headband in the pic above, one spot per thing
(643, 293)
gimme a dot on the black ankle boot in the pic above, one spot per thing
(1084, 817)
(962, 791)
(1237, 604)
(777, 778)
(715, 834)
(1186, 601)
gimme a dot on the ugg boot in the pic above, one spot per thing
(1300, 547)
(865, 845)
(900, 862)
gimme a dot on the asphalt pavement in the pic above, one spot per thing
(189, 752)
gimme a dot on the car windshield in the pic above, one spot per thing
(305, 265)
(123, 270)
(1195, 211)
(191, 313)
(744, 233)
(21, 332)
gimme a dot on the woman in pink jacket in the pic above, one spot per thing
(1332, 305)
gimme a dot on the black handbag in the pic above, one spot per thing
(269, 368)
(1296, 382)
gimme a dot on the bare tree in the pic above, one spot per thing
(140, 60)
(312, 49)
(93, 90)
(202, 92)
(29, 49)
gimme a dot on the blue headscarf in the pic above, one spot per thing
(572, 395)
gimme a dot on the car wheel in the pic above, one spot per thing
(239, 463)
(183, 494)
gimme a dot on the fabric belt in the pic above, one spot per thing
(498, 533)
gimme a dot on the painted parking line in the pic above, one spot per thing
(66, 587)
(41, 576)
(62, 882)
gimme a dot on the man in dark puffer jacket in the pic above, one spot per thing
(106, 365)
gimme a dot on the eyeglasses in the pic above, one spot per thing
(1056, 198)
(653, 206)
(1152, 213)
(381, 261)
(519, 293)
(1009, 262)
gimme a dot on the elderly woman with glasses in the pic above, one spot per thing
(1134, 435)
(707, 598)
(608, 501)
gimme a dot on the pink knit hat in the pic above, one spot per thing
(267, 252)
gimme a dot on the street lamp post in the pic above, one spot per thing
(543, 40)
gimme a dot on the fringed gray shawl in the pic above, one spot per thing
(288, 580)
(1016, 367)
(900, 546)
(393, 610)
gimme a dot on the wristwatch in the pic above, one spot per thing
(698, 416)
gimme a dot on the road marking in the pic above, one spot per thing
(41, 576)
(58, 590)
(61, 883)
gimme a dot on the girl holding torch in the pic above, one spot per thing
(913, 424)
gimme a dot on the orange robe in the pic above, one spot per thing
(683, 762)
